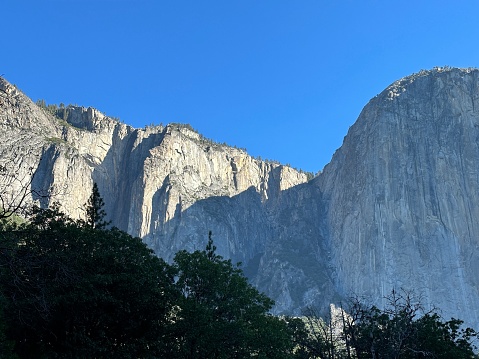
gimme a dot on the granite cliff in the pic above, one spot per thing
(402, 193)
(395, 208)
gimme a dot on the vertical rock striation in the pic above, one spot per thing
(402, 194)
(168, 185)
(397, 207)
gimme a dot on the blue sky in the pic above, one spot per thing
(283, 79)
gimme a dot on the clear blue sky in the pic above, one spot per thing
(283, 79)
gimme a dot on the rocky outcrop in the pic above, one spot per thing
(395, 208)
(402, 194)
(168, 185)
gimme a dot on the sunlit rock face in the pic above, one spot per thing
(397, 207)
(402, 194)
(168, 185)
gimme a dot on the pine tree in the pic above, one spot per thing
(220, 314)
(95, 214)
(211, 248)
(71, 291)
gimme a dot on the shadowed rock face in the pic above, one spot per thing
(395, 208)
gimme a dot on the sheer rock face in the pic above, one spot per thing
(395, 208)
(168, 185)
(402, 194)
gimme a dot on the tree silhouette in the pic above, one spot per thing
(95, 214)
(68, 290)
(220, 314)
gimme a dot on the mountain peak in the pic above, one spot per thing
(397, 87)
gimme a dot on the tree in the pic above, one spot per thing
(95, 214)
(403, 329)
(17, 173)
(442, 340)
(15, 189)
(6, 345)
(324, 338)
(73, 291)
(221, 315)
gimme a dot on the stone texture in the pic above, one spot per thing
(168, 185)
(395, 208)
(402, 194)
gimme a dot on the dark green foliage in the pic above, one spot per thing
(309, 175)
(319, 338)
(443, 340)
(77, 292)
(95, 214)
(401, 330)
(221, 315)
(52, 109)
(73, 289)
(6, 345)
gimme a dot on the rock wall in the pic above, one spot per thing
(168, 185)
(395, 208)
(402, 194)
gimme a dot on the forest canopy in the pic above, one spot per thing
(80, 289)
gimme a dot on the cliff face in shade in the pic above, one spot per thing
(397, 207)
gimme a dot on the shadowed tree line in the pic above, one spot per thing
(403, 329)
(78, 289)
